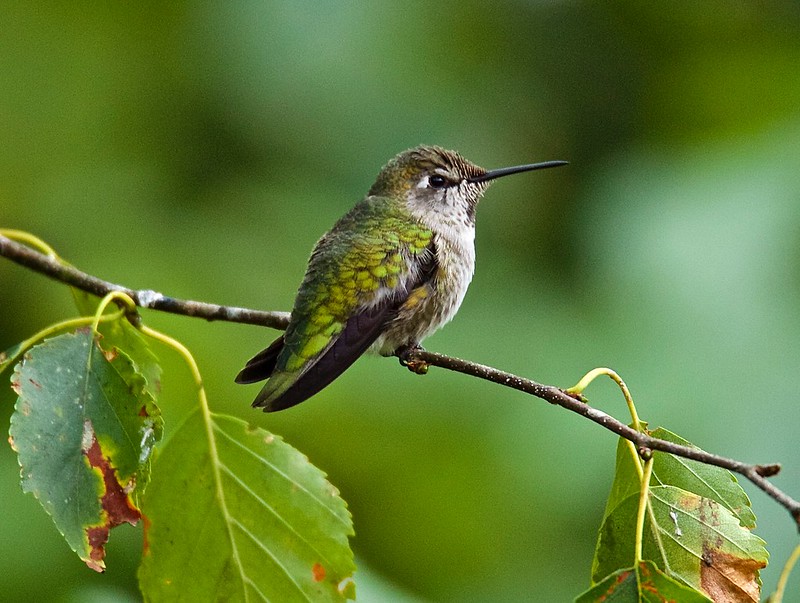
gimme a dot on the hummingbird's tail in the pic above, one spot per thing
(260, 366)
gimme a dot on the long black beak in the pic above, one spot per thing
(499, 173)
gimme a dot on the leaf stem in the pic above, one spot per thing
(17, 351)
(644, 501)
(587, 379)
(777, 596)
(125, 299)
(208, 422)
(30, 240)
(188, 358)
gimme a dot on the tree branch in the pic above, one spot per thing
(147, 298)
(645, 443)
(144, 298)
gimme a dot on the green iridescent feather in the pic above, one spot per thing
(368, 254)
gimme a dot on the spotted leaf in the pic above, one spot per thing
(83, 428)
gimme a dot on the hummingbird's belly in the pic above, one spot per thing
(432, 305)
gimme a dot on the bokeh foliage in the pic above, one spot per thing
(201, 149)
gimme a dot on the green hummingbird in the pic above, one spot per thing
(390, 272)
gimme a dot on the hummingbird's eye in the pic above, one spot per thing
(437, 181)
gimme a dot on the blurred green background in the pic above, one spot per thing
(201, 149)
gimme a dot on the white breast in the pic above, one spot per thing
(455, 252)
(456, 257)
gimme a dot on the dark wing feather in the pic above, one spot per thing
(260, 366)
(360, 331)
(358, 334)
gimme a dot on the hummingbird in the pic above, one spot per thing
(390, 272)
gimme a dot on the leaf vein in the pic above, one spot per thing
(266, 550)
(242, 484)
(272, 467)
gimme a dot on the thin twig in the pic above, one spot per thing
(755, 473)
(146, 298)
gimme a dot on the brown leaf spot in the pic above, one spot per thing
(117, 507)
(646, 583)
(143, 412)
(725, 577)
(3, 357)
(318, 572)
(110, 354)
(35, 384)
(97, 536)
(612, 590)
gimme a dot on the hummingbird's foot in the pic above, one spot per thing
(407, 358)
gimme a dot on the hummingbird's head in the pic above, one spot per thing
(440, 187)
(433, 181)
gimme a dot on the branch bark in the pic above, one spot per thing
(146, 298)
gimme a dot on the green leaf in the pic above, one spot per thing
(692, 538)
(83, 431)
(234, 513)
(138, 384)
(706, 480)
(121, 336)
(626, 480)
(702, 538)
(644, 582)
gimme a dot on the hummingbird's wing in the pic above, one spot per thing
(260, 366)
(355, 285)
(288, 388)
(284, 390)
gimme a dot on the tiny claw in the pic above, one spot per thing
(415, 365)
(420, 367)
